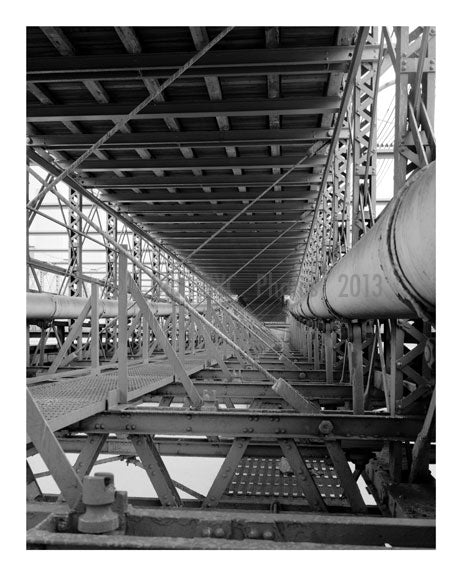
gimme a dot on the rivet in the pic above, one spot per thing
(268, 535)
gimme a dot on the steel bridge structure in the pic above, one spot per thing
(211, 273)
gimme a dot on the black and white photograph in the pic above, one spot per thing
(230, 255)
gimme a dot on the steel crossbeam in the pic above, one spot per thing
(255, 424)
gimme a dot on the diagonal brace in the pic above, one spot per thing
(156, 470)
(172, 356)
(347, 480)
(302, 474)
(225, 474)
(52, 454)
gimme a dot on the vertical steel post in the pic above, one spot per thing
(356, 369)
(401, 105)
(145, 345)
(111, 281)
(309, 339)
(329, 354)
(181, 322)
(94, 350)
(316, 347)
(75, 258)
(122, 349)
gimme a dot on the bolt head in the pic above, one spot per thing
(326, 427)
(219, 533)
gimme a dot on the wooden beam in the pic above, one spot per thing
(202, 138)
(292, 193)
(89, 112)
(212, 206)
(215, 63)
(230, 163)
(147, 181)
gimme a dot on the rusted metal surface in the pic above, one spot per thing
(198, 529)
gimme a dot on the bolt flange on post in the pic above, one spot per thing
(98, 496)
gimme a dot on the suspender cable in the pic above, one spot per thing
(254, 201)
(266, 289)
(131, 115)
(262, 250)
(354, 66)
(265, 274)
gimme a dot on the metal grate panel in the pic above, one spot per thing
(68, 400)
(261, 478)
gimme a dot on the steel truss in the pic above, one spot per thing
(298, 423)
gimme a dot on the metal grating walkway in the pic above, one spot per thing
(261, 478)
(66, 401)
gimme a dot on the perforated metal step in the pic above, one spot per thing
(262, 479)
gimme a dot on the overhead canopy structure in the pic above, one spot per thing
(224, 132)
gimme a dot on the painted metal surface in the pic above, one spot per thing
(390, 272)
(42, 306)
